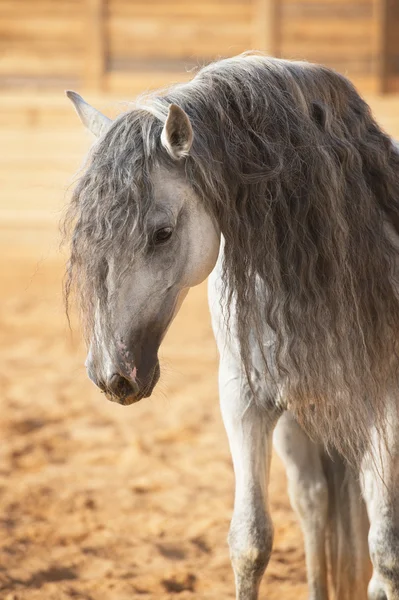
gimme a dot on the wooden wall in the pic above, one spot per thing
(41, 41)
(155, 36)
(338, 33)
(391, 46)
(107, 45)
(162, 33)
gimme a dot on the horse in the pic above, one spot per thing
(272, 179)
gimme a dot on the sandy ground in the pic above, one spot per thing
(98, 501)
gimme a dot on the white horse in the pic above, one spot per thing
(166, 201)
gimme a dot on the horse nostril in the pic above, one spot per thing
(119, 386)
(101, 385)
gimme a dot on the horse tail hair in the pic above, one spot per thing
(347, 547)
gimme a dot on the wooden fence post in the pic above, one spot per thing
(94, 45)
(382, 45)
(266, 26)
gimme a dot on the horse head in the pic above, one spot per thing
(144, 247)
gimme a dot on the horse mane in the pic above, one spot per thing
(305, 188)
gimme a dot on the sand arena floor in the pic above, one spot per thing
(98, 501)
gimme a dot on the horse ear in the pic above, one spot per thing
(91, 118)
(177, 134)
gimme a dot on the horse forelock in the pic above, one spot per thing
(108, 209)
(302, 182)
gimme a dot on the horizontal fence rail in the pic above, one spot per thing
(114, 45)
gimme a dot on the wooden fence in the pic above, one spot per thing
(107, 45)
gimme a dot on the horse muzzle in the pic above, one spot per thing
(127, 390)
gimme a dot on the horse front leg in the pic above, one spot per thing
(249, 429)
(380, 485)
(308, 491)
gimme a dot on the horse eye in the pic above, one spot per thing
(163, 235)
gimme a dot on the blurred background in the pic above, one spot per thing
(99, 501)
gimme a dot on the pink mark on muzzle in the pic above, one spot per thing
(133, 374)
(125, 353)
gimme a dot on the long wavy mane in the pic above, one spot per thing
(305, 187)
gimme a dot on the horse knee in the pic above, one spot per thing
(384, 553)
(250, 563)
(250, 548)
